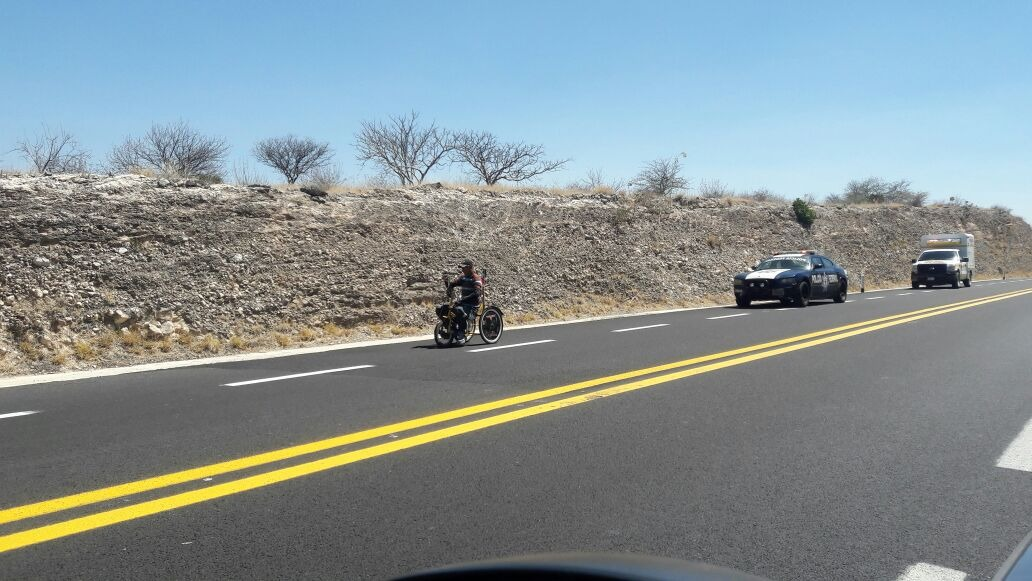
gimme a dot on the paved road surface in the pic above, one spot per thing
(848, 441)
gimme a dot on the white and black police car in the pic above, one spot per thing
(794, 278)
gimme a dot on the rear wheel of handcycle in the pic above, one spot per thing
(441, 335)
(491, 325)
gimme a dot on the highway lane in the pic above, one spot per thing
(183, 418)
(183, 413)
(208, 422)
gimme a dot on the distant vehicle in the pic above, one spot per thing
(794, 278)
(945, 259)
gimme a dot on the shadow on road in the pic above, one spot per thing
(766, 306)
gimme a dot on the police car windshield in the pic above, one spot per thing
(789, 263)
(938, 255)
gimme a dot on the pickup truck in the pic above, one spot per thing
(945, 259)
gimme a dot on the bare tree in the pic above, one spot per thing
(878, 191)
(765, 195)
(326, 177)
(53, 151)
(493, 161)
(715, 189)
(596, 181)
(661, 177)
(292, 156)
(244, 175)
(174, 149)
(403, 147)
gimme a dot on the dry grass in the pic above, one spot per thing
(307, 334)
(185, 339)
(106, 339)
(238, 342)
(165, 345)
(207, 344)
(7, 367)
(713, 241)
(84, 351)
(333, 330)
(30, 350)
(59, 359)
(364, 189)
(133, 340)
(281, 339)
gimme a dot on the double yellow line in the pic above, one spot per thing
(695, 366)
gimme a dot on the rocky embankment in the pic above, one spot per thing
(100, 270)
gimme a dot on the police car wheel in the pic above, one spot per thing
(742, 302)
(956, 282)
(786, 302)
(804, 296)
(841, 296)
(914, 285)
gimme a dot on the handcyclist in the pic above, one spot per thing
(471, 289)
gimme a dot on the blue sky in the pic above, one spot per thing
(797, 97)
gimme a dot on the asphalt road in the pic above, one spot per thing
(840, 441)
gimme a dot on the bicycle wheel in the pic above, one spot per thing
(491, 325)
(442, 336)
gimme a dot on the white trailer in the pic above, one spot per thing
(944, 259)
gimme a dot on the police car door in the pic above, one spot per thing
(818, 279)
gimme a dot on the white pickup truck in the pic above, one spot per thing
(945, 259)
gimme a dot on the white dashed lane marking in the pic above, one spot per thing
(904, 294)
(16, 414)
(296, 375)
(929, 572)
(726, 316)
(510, 346)
(873, 298)
(1018, 456)
(640, 328)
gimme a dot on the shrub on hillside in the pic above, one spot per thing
(804, 213)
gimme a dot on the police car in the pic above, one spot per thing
(794, 278)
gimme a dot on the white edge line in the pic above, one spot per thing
(640, 328)
(296, 375)
(1018, 455)
(512, 345)
(16, 414)
(929, 572)
(726, 316)
(19, 380)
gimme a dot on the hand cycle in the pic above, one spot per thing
(487, 319)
